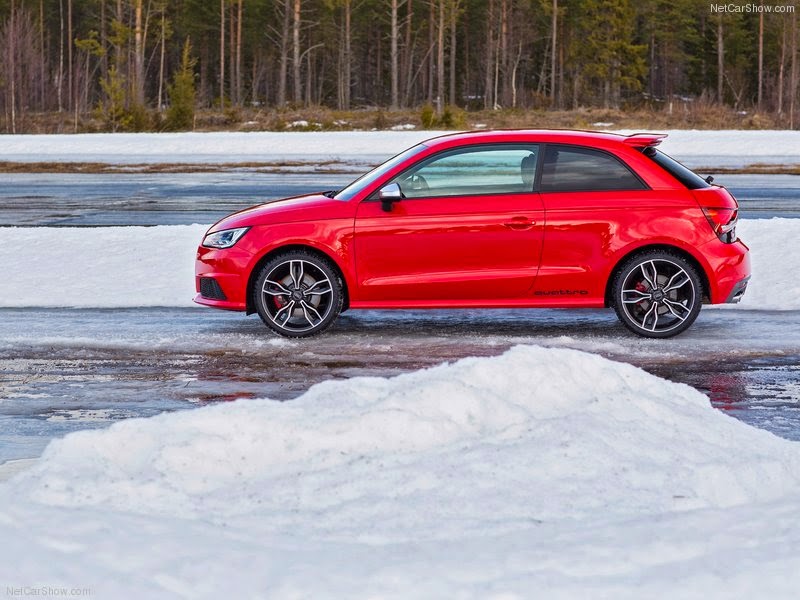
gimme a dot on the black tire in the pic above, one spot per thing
(657, 294)
(298, 294)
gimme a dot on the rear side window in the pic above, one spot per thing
(687, 177)
(573, 169)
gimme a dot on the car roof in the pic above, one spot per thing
(600, 139)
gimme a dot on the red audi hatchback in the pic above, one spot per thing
(492, 219)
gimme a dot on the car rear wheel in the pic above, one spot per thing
(298, 294)
(657, 294)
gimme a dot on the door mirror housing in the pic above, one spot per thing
(389, 194)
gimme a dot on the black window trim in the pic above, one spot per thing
(537, 184)
(651, 152)
(373, 197)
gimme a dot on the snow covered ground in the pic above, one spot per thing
(154, 266)
(726, 148)
(539, 473)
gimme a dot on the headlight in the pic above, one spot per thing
(224, 239)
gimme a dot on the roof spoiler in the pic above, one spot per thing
(644, 140)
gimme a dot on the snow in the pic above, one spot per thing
(541, 472)
(100, 267)
(154, 266)
(358, 147)
(772, 256)
(724, 148)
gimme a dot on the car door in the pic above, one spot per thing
(589, 197)
(469, 228)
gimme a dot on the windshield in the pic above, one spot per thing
(686, 176)
(368, 179)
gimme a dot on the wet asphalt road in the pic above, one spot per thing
(58, 199)
(70, 199)
(64, 370)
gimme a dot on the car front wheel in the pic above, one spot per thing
(657, 294)
(298, 294)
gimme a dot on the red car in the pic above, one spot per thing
(493, 219)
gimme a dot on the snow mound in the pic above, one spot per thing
(154, 266)
(539, 473)
(533, 434)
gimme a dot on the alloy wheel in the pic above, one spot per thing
(658, 296)
(297, 296)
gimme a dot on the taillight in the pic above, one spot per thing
(723, 222)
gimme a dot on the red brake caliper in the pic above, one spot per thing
(641, 287)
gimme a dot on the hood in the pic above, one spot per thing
(311, 207)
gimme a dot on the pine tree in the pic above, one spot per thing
(180, 114)
(112, 106)
(611, 61)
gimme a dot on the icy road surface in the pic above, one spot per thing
(63, 370)
(96, 200)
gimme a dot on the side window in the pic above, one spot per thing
(573, 169)
(497, 169)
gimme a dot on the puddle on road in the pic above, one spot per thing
(763, 391)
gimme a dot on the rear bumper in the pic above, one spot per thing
(728, 270)
(738, 291)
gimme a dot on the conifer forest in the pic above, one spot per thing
(128, 65)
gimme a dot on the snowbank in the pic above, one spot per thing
(154, 266)
(725, 148)
(772, 255)
(99, 267)
(542, 471)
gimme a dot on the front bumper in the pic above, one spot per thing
(228, 270)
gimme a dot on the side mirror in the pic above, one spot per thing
(388, 194)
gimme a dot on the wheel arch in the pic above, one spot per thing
(682, 252)
(250, 308)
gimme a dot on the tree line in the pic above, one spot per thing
(125, 60)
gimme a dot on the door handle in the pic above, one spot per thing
(520, 223)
